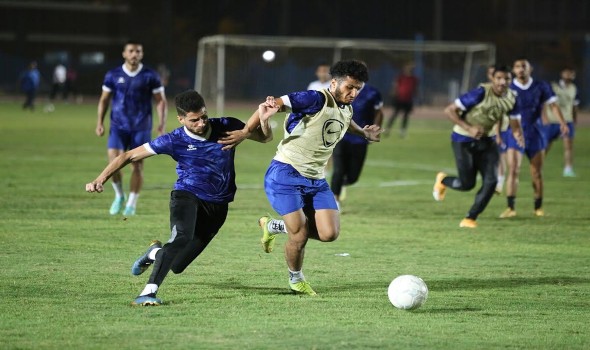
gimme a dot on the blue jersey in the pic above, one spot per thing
(132, 92)
(363, 108)
(203, 168)
(30, 80)
(531, 98)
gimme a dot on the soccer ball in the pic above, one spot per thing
(407, 292)
(268, 56)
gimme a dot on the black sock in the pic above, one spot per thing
(538, 203)
(511, 200)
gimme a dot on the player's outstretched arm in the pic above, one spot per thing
(252, 128)
(103, 105)
(517, 131)
(369, 132)
(117, 164)
(162, 110)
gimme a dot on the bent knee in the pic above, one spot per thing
(329, 236)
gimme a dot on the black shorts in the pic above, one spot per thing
(193, 217)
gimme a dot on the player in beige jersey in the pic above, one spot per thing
(295, 183)
(568, 101)
(475, 115)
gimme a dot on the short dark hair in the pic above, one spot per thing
(501, 68)
(351, 68)
(188, 101)
(132, 42)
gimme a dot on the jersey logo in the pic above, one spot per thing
(331, 132)
(191, 148)
(121, 80)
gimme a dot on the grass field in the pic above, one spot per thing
(523, 283)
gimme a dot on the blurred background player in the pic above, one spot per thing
(350, 153)
(403, 91)
(29, 84)
(501, 132)
(475, 115)
(322, 72)
(531, 95)
(199, 201)
(568, 101)
(131, 87)
(58, 86)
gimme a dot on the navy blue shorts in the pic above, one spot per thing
(534, 142)
(126, 140)
(553, 131)
(504, 146)
(288, 191)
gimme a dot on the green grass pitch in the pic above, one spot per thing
(523, 283)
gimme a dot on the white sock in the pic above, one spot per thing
(149, 289)
(276, 226)
(132, 201)
(501, 179)
(118, 187)
(295, 276)
(567, 168)
(152, 254)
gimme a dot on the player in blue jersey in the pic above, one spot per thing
(131, 88)
(350, 153)
(532, 95)
(475, 115)
(568, 101)
(294, 182)
(199, 201)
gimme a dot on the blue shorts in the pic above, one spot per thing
(504, 146)
(288, 191)
(534, 142)
(553, 131)
(126, 140)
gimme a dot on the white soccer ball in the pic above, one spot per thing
(268, 56)
(407, 292)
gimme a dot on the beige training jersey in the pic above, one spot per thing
(310, 144)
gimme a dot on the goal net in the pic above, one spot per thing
(231, 67)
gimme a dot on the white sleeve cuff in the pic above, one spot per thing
(286, 100)
(149, 148)
(514, 116)
(378, 106)
(106, 88)
(551, 100)
(158, 90)
(459, 104)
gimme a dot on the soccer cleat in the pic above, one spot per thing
(539, 212)
(508, 213)
(568, 172)
(439, 189)
(129, 211)
(268, 239)
(117, 205)
(469, 223)
(147, 300)
(302, 287)
(143, 262)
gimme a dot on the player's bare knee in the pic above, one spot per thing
(329, 236)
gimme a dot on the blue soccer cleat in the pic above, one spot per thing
(147, 300)
(117, 205)
(143, 262)
(129, 211)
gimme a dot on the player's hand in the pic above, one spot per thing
(475, 131)
(266, 110)
(499, 140)
(94, 186)
(519, 138)
(161, 129)
(233, 138)
(99, 130)
(372, 132)
(565, 130)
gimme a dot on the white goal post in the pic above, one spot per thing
(230, 67)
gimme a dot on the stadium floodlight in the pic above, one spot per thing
(232, 67)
